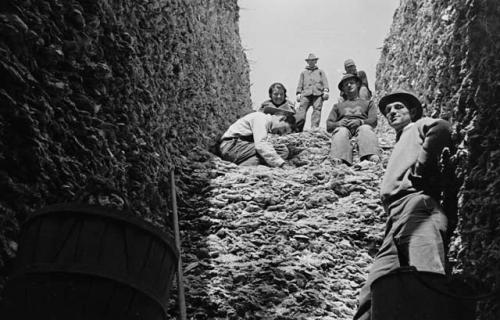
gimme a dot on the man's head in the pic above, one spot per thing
(283, 119)
(400, 108)
(282, 123)
(277, 93)
(349, 84)
(350, 66)
(312, 60)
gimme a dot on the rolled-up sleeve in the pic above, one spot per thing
(262, 146)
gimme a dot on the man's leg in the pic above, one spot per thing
(367, 141)
(420, 239)
(341, 147)
(305, 102)
(317, 104)
(364, 93)
(386, 261)
(240, 152)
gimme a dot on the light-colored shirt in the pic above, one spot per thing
(312, 81)
(258, 125)
(416, 152)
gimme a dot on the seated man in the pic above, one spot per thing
(277, 95)
(352, 117)
(245, 142)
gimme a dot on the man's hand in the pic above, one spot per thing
(282, 150)
(343, 122)
(286, 166)
(298, 97)
(353, 124)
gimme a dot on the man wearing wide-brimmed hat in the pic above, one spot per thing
(312, 89)
(418, 229)
(245, 142)
(364, 90)
(353, 117)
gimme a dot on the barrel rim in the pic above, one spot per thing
(98, 210)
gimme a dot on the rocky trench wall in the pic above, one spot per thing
(447, 52)
(99, 99)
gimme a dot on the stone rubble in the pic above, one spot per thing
(270, 243)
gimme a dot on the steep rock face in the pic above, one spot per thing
(102, 98)
(447, 52)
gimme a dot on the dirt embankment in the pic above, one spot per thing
(107, 96)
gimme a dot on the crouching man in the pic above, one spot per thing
(245, 142)
(417, 228)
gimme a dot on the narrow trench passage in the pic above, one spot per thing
(267, 243)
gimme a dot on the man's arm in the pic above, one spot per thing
(372, 115)
(335, 119)
(300, 85)
(262, 146)
(436, 135)
(324, 80)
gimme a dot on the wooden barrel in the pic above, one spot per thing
(418, 295)
(77, 261)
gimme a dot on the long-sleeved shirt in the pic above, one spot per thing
(258, 125)
(352, 109)
(312, 81)
(413, 164)
(284, 105)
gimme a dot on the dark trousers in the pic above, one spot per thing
(414, 236)
(240, 152)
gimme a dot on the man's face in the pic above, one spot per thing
(350, 86)
(312, 63)
(351, 69)
(280, 126)
(398, 115)
(278, 96)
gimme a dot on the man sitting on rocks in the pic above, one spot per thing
(277, 98)
(352, 117)
(417, 229)
(245, 142)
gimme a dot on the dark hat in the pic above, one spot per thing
(311, 56)
(349, 62)
(285, 108)
(409, 99)
(348, 76)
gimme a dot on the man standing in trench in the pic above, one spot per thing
(312, 89)
(417, 229)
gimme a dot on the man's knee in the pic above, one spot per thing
(341, 132)
(365, 128)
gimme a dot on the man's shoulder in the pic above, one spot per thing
(429, 120)
(437, 123)
(361, 74)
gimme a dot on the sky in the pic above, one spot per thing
(277, 36)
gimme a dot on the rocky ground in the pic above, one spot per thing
(269, 243)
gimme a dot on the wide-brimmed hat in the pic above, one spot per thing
(409, 99)
(348, 76)
(349, 62)
(311, 56)
(285, 108)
